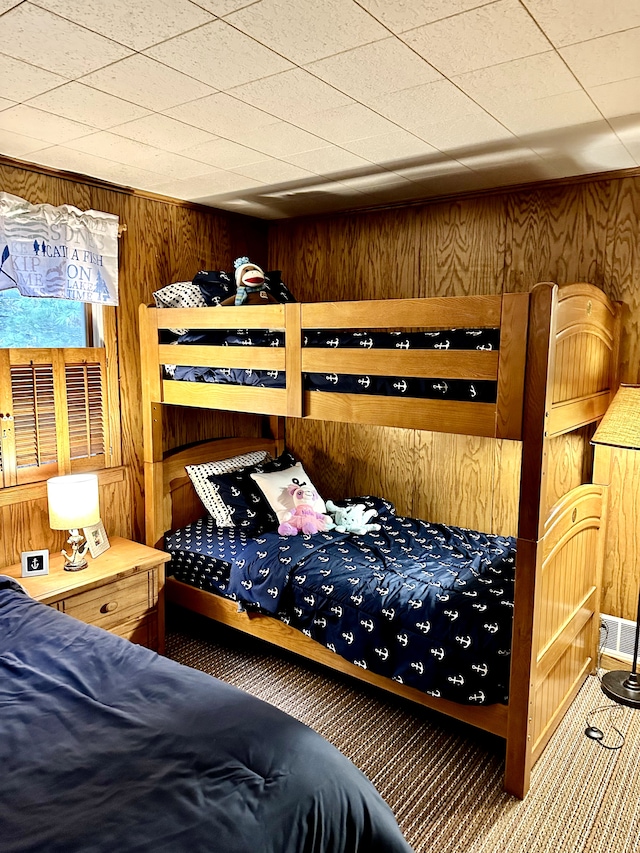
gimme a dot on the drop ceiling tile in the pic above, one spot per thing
(174, 165)
(374, 69)
(62, 47)
(305, 30)
(163, 132)
(28, 121)
(224, 7)
(85, 163)
(17, 145)
(539, 116)
(462, 133)
(221, 114)
(290, 95)
(439, 101)
(116, 148)
(219, 55)
(81, 103)
(344, 124)
(281, 139)
(137, 24)
(5, 104)
(274, 171)
(390, 147)
(617, 99)
(570, 21)
(223, 154)
(401, 15)
(148, 83)
(21, 81)
(217, 181)
(532, 77)
(329, 161)
(627, 129)
(605, 60)
(479, 38)
(5, 5)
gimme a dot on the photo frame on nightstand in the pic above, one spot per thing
(35, 563)
(97, 539)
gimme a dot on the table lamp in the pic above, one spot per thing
(620, 427)
(73, 503)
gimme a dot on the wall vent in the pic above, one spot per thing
(617, 636)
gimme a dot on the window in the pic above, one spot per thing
(53, 398)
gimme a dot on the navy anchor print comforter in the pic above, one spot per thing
(427, 605)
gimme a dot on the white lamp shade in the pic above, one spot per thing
(73, 501)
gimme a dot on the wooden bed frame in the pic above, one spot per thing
(556, 372)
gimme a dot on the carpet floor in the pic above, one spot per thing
(442, 779)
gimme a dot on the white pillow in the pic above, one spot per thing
(274, 487)
(207, 492)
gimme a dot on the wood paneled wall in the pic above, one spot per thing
(503, 242)
(164, 242)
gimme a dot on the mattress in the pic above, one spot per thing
(427, 605)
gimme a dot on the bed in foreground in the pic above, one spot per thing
(107, 746)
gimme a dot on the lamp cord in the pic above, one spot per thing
(594, 732)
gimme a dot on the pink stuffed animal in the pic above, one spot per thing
(303, 517)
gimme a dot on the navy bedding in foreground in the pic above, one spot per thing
(107, 747)
(427, 605)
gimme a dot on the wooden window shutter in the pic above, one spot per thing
(55, 415)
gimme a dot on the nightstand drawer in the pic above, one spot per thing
(114, 603)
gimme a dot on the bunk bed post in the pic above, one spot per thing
(152, 417)
(513, 354)
(534, 462)
(293, 358)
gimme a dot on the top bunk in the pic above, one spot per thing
(457, 364)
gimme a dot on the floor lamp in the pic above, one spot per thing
(620, 427)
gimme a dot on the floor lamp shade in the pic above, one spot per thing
(620, 427)
(73, 501)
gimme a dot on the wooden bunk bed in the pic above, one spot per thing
(555, 373)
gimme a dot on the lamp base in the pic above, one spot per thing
(622, 687)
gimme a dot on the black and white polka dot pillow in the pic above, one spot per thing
(208, 493)
(180, 294)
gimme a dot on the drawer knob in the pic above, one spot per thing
(109, 607)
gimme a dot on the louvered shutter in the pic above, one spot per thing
(34, 420)
(86, 412)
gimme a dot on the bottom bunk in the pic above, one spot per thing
(552, 647)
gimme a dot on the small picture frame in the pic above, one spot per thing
(96, 537)
(35, 563)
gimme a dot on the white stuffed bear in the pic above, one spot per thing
(352, 519)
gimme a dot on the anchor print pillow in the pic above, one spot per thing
(245, 505)
(199, 476)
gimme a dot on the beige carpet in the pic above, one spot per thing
(444, 780)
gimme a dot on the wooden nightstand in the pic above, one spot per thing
(122, 591)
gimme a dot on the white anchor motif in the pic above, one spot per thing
(481, 669)
(438, 653)
(307, 633)
(273, 591)
(361, 663)
(418, 666)
(357, 600)
(325, 572)
(443, 345)
(334, 342)
(496, 591)
(442, 596)
(452, 614)
(327, 588)
(368, 343)
(272, 373)
(276, 343)
(347, 637)
(401, 386)
(343, 550)
(383, 654)
(389, 613)
(354, 581)
(261, 554)
(310, 599)
(485, 347)
(285, 560)
(321, 622)
(337, 610)
(235, 492)
(398, 678)
(480, 607)
(247, 343)
(465, 642)
(435, 693)
(402, 345)
(264, 573)
(415, 603)
(491, 627)
(323, 559)
(456, 679)
(367, 624)
(255, 499)
(472, 391)
(240, 564)
(507, 603)
(471, 593)
(477, 697)
(473, 332)
(332, 377)
(365, 381)
(382, 590)
(331, 648)
(300, 578)
(403, 639)
(425, 627)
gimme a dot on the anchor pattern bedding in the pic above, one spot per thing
(427, 605)
(402, 386)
